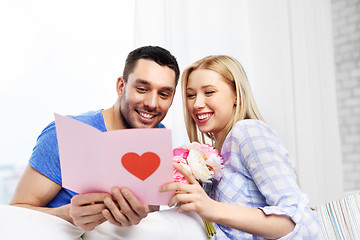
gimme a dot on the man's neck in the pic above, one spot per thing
(112, 118)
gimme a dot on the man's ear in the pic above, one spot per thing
(120, 84)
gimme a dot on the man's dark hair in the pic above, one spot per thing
(157, 54)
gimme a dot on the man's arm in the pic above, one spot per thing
(34, 191)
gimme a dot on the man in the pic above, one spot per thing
(145, 93)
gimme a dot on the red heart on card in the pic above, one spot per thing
(142, 166)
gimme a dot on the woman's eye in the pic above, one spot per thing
(190, 95)
(209, 92)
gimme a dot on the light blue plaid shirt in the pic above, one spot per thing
(259, 173)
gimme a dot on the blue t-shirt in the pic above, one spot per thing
(45, 155)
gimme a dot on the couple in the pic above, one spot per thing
(257, 197)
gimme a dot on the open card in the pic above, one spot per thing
(95, 161)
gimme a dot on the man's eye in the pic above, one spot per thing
(141, 89)
(164, 95)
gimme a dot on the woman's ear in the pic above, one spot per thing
(235, 102)
(120, 84)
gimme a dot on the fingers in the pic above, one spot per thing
(86, 210)
(119, 208)
(129, 211)
(114, 214)
(186, 195)
(88, 223)
(187, 207)
(187, 174)
(109, 216)
(180, 187)
(90, 226)
(84, 199)
(134, 204)
(177, 187)
(87, 204)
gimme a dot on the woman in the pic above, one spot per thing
(257, 197)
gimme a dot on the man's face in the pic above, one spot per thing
(147, 95)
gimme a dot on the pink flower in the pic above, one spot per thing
(181, 152)
(179, 160)
(178, 177)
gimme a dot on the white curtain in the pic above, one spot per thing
(286, 49)
(65, 57)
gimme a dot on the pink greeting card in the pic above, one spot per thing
(95, 161)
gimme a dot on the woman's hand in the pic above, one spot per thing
(191, 196)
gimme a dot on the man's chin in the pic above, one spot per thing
(146, 125)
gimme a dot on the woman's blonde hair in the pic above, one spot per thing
(234, 75)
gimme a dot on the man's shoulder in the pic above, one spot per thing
(92, 118)
(160, 125)
(87, 116)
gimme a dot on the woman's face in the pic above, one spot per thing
(209, 100)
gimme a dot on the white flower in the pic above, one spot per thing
(198, 166)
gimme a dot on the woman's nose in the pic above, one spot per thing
(199, 102)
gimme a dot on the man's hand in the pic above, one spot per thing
(86, 210)
(123, 208)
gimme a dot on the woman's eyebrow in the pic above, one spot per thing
(206, 86)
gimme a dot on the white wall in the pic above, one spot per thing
(59, 57)
(55, 56)
(346, 22)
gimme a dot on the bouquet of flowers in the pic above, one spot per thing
(205, 163)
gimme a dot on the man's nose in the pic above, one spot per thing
(151, 101)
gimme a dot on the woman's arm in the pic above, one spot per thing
(251, 220)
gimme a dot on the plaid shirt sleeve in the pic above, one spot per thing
(259, 173)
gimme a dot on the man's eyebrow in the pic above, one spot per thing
(142, 81)
(170, 89)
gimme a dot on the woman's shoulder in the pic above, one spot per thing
(250, 136)
(250, 123)
(251, 128)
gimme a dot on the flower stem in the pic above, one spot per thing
(209, 227)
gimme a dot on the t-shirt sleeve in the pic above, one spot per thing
(45, 155)
(160, 125)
